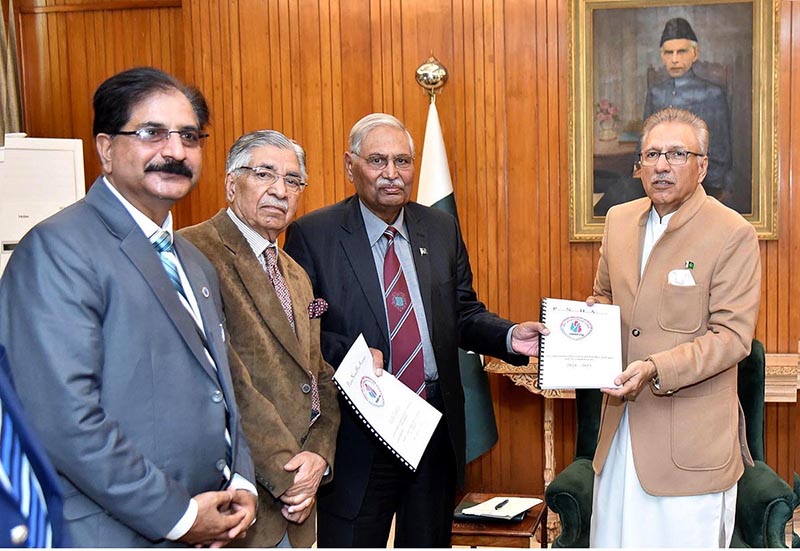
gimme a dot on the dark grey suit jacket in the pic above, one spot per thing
(113, 373)
(332, 245)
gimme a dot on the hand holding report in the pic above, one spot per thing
(399, 418)
(584, 347)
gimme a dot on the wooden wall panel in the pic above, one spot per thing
(779, 322)
(68, 49)
(311, 68)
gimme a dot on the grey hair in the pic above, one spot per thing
(370, 123)
(239, 154)
(672, 114)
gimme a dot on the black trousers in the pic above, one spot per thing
(423, 501)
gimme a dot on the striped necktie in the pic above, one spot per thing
(18, 478)
(270, 264)
(162, 241)
(407, 360)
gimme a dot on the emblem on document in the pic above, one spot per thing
(576, 328)
(372, 392)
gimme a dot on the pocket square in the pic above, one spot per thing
(317, 307)
(681, 278)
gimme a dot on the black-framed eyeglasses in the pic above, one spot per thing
(379, 162)
(270, 177)
(674, 157)
(157, 135)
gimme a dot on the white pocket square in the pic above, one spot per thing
(681, 278)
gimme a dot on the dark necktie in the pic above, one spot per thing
(407, 360)
(22, 485)
(162, 241)
(282, 290)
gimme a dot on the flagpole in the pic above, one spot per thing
(435, 189)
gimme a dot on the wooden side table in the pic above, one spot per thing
(501, 534)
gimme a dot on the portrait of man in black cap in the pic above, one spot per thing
(685, 90)
(708, 62)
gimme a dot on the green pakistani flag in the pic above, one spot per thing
(436, 190)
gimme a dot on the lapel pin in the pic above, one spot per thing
(205, 292)
(689, 265)
(423, 251)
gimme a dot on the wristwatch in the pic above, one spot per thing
(655, 381)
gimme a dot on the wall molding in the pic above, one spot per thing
(101, 6)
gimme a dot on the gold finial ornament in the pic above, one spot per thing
(432, 76)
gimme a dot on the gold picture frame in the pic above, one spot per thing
(614, 60)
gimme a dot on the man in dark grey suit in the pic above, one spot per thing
(398, 273)
(116, 339)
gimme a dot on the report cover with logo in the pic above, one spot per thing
(399, 418)
(584, 347)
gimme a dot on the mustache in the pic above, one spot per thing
(391, 182)
(662, 178)
(171, 167)
(270, 201)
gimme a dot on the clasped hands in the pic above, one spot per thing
(221, 517)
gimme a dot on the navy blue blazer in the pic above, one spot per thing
(10, 515)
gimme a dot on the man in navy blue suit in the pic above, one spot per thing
(15, 528)
(379, 253)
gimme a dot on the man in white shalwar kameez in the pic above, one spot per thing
(685, 271)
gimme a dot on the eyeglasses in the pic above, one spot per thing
(270, 177)
(674, 158)
(379, 162)
(156, 135)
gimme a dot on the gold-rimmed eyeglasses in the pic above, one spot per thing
(269, 177)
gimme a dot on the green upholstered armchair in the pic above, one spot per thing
(795, 504)
(764, 502)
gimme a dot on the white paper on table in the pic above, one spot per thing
(510, 509)
(584, 347)
(402, 421)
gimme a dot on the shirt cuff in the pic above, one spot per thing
(238, 482)
(185, 523)
(508, 339)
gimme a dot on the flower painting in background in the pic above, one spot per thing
(606, 114)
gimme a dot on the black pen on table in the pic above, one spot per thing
(500, 505)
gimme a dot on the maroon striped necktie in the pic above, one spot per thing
(407, 360)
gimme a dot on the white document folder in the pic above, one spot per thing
(401, 420)
(584, 347)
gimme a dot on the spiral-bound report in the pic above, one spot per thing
(584, 347)
(398, 418)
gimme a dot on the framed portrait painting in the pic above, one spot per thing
(631, 58)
